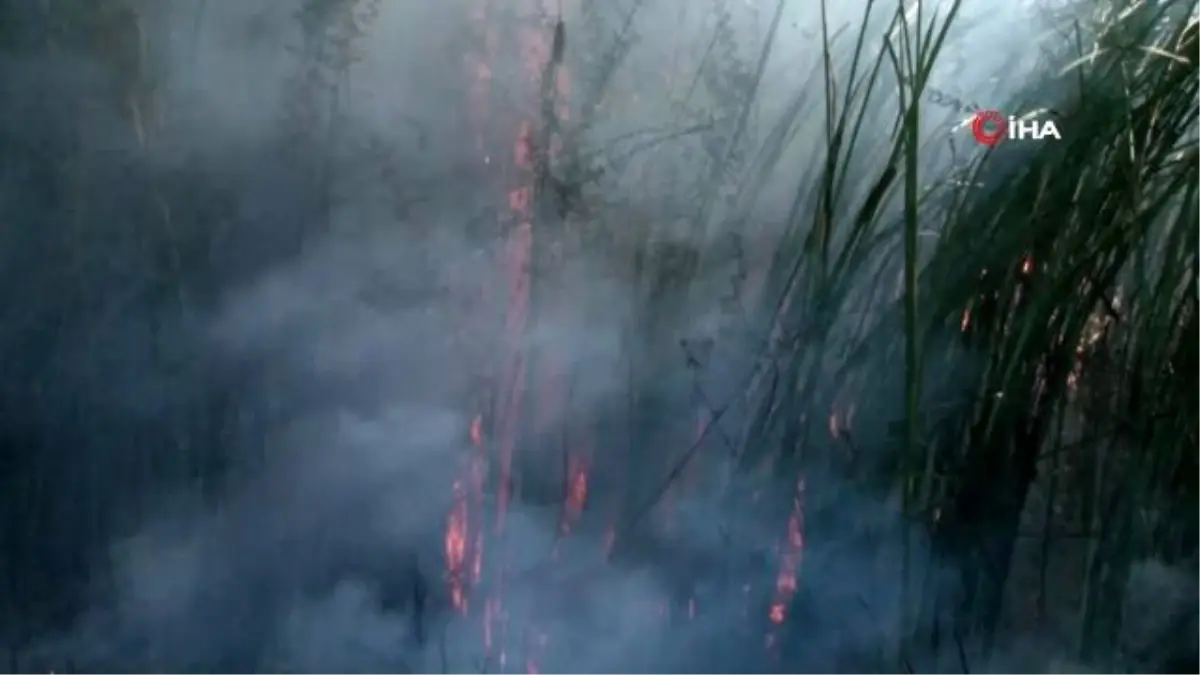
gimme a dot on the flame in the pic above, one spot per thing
(456, 547)
(478, 475)
(518, 258)
(477, 431)
(777, 613)
(966, 320)
(1027, 265)
(464, 538)
(460, 543)
(577, 492)
(579, 487)
(790, 556)
(534, 52)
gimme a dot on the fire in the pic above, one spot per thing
(579, 488)
(459, 542)
(456, 547)
(790, 557)
(777, 613)
(529, 140)
(477, 431)
(577, 492)
(464, 548)
(966, 320)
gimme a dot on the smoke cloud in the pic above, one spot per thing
(272, 273)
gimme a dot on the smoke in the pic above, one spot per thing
(318, 231)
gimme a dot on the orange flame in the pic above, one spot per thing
(477, 431)
(464, 538)
(790, 557)
(777, 613)
(460, 542)
(577, 492)
(456, 547)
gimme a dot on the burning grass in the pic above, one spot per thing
(1110, 210)
(866, 376)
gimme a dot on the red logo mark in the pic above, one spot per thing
(985, 136)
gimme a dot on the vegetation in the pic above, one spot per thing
(997, 357)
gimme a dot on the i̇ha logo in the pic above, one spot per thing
(990, 127)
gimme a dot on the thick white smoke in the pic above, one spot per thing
(325, 552)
